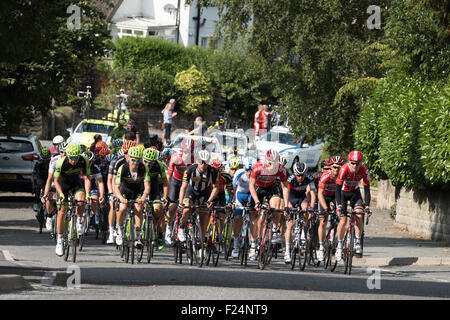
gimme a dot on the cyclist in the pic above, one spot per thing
(110, 159)
(97, 138)
(57, 141)
(154, 141)
(264, 184)
(132, 183)
(112, 173)
(233, 165)
(67, 180)
(164, 156)
(325, 166)
(97, 186)
(118, 132)
(40, 175)
(116, 145)
(178, 164)
(243, 198)
(347, 189)
(225, 188)
(200, 183)
(132, 132)
(301, 194)
(50, 190)
(326, 195)
(157, 174)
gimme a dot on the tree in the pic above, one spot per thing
(41, 58)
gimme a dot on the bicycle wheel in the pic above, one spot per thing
(348, 251)
(198, 245)
(218, 243)
(303, 255)
(265, 249)
(149, 239)
(132, 239)
(41, 217)
(66, 241)
(244, 249)
(314, 245)
(74, 239)
(227, 239)
(190, 247)
(104, 224)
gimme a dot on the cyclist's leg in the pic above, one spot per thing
(174, 192)
(275, 203)
(241, 200)
(80, 195)
(323, 219)
(357, 205)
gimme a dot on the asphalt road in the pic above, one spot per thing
(104, 275)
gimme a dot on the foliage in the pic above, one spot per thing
(403, 131)
(196, 91)
(40, 58)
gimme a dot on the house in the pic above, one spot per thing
(171, 20)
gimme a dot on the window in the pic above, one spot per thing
(15, 146)
(152, 33)
(127, 31)
(139, 33)
(204, 42)
(95, 127)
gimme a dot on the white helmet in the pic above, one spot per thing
(283, 160)
(249, 162)
(203, 155)
(58, 140)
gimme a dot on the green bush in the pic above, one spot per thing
(196, 91)
(403, 132)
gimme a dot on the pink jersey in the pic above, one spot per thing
(328, 184)
(350, 181)
(267, 176)
(177, 166)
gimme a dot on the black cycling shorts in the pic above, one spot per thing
(174, 191)
(355, 200)
(131, 194)
(273, 191)
(192, 197)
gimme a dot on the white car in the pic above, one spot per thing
(86, 130)
(229, 140)
(289, 147)
(211, 144)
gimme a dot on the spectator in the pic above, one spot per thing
(133, 133)
(199, 127)
(262, 120)
(168, 115)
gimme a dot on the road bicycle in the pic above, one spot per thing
(86, 105)
(312, 238)
(215, 243)
(129, 241)
(85, 226)
(349, 240)
(53, 215)
(298, 238)
(149, 231)
(331, 241)
(227, 234)
(70, 236)
(266, 247)
(245, 236)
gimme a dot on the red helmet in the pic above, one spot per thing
(337, 160)
(103, 152)
(127, 145)
(355, 156)
(328, 162)
(272, 155)
(187, 144)
(101, 144)
(216, 163)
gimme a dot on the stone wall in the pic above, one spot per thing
(422, 212)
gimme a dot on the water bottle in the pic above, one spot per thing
(331, 235)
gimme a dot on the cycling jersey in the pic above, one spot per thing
(70, 174)
(53, 162)
(267, 176)
(157, 176)
(328, 184)
(349, 181)
(96, 173)
(132, 183)
(40, 170)
(241, 181)
(118, 133)
(121, 161)
(225, 182)
(177, 166)
(201, 181)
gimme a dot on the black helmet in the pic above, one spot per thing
(299, 168)
(153, 136)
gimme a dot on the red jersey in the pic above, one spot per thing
(267, 176)
(177, 166)
(328, 184)
(350, 181)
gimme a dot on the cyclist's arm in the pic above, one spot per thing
(312, 193)
(285, 187)
(117, 183)
(110, 183)
(101, 188)
(367, 195)
(322, 201)
(253, 190)
(183, 188)
(48, 184)
(147, 187)
(214, 192)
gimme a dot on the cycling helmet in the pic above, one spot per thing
(63, 146)
(153, 136)
(140, 146)
(98, 137)
(299, 168)
(120, 153)
(203, 155)
(234, 162)
(131, 122)
(45, 153)
(127, 145)
(216, 163)
(111, 157)
(101, 144)
(122, 122)
(337, 160)
(83, 148)
(135, 152)
(167, 152)
(249, 162)
(103, 152)
(58, 139)
(89, 155)
(355, 156)
(73, 149)
(187, 144)
(118, 143)
(272, 155)
(150, 154)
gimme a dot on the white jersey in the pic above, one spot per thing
(52, 165)
(241, 181)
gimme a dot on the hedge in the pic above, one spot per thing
(403, 131)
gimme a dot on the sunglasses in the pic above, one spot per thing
(354, 163)
(203, 162)
(73, 158)
(336, 167)
(135, 160)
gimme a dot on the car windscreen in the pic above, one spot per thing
(95, 127)
(231, 142)
(211, 146)
(283, 138)
(15, 146)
